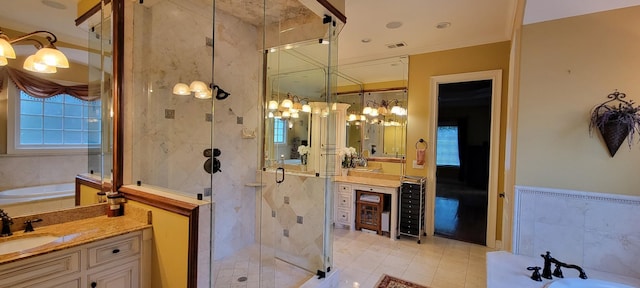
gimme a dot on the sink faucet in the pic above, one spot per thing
(6, 224)
(546, 270)
(29, 227)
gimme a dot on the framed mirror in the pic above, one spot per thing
(66, 134)
(377, 117)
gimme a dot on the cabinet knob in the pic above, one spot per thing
(116, 251)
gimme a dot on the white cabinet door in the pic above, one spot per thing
(126, 275)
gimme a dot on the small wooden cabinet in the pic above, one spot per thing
(369, 210)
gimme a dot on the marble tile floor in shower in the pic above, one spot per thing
(362, 258)
(243, 270)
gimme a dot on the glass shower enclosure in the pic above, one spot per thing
(202, 78)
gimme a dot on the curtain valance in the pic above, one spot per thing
(42, 88)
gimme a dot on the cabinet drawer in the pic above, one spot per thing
(344, 200)
(410, 231)
(344, 188)
(74, 283)
(20, 274)
(410, 195)
(128, 245)
(343, 216)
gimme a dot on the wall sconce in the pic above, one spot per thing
(289, 106)
(396, 108)
(45, 60)
(200, 90)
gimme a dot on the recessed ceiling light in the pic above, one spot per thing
(365, 40)
(54, 4)
(443, 25)
(394, 24)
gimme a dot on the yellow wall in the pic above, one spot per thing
(169, 258)
(470, 59)
(85, 5)
(568, 67)
(88, 195)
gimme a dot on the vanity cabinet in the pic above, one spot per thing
(115, 262)
(345, 200)
(344, 205)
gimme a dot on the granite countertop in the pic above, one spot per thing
(75, 233)
(369, 181)
(508, 270)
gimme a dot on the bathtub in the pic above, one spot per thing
(36, 199)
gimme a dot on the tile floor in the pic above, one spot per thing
(437, 262)
(362, 258)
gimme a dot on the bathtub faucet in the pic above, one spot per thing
(6, 224)
(546, 270)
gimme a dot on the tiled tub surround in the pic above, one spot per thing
(593, 230)
(75, 227)
(506, 270)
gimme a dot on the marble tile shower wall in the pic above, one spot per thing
(238, 66)
(299, 197)
(593, 230)
(170, 47)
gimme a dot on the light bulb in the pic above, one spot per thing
(198, 86)
(32, 66)
(273, 105)
(181, 89)
(6, 50)
(286, 103)
(51, 57)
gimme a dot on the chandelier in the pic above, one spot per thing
(46, 59)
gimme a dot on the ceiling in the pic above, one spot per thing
(471, 22)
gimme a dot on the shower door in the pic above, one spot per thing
(298, 153)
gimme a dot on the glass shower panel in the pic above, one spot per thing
(298, 151)
(100, 81)
(172, 126)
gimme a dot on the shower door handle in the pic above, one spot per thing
(281, 179)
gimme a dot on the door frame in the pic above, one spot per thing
(494, 151)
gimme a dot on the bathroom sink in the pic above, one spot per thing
(584, 283)
(24, 242)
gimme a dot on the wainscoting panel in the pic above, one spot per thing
(594, 230)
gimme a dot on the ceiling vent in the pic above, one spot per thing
(396, 45)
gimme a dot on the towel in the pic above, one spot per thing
(420, 155)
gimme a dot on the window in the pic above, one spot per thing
(279, 130)
(59, 122)
(447, 153)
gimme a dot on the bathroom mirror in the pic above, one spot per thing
(296, 80)
(293, 74)
(377, 119)
(54, 163)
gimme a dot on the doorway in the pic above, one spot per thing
(463, 181)
(462, 160)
